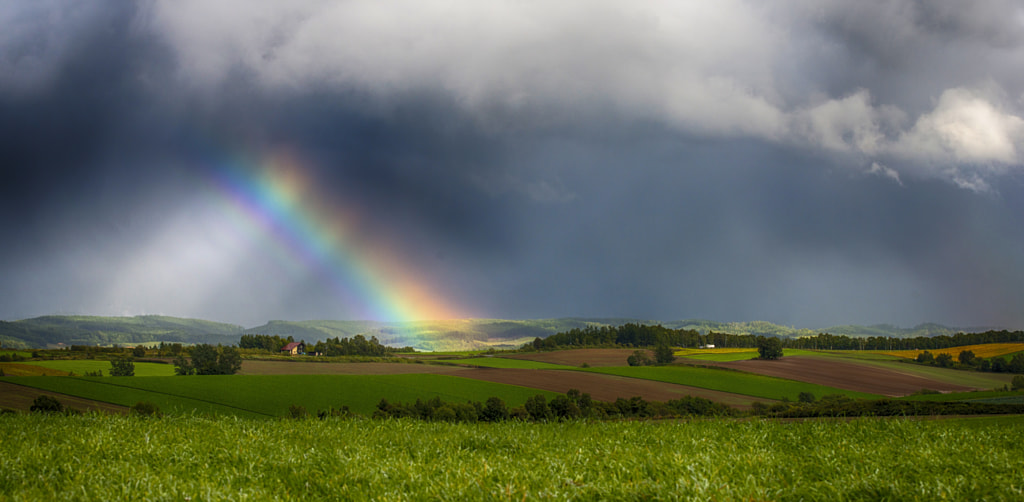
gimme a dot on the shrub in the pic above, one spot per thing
(926, 357)
(46, 404)
(297, 411)
(945, 360)
(145, 409)
(1018, 382)
(806, 397)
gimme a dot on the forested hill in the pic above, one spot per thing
(460, 334)
(40, 332)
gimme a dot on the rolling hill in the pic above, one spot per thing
(446, 335)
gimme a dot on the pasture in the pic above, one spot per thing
(83, 366)
(93, 457)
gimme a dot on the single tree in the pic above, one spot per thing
(537, 408)
(183, 366)
(769, 347)
(925, 358)
(122, 366)
(663, 354)
(966, 357)
(944, 359)
(806, 397)
(139, 351)
(1018, 382)
(494, 410)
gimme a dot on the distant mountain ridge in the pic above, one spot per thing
(457, 334)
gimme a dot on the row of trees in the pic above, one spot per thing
(837, 405)
(826, 341)
(573, 405)
(967, 359)
(269, 343)
(356, 346)
(642, 335)
(209, 360)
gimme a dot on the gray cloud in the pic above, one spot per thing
(811, 163)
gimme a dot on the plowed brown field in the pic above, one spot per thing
(576, 357)
(18, 397)
(602, 387)
(843, 375)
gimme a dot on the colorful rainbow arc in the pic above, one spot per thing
(276, 196)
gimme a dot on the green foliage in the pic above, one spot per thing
(122, 366)
(210, 360)
(769, 348)
(1018, 382)
(504, 362)
(944, 360)
(966, 357)
(268, 343)
(145, 409)
(297, 411)
(639, 358)
(806, 397)
(183, 366)
(926, 357)
(139, 351)
(663, 354)
(46, 404)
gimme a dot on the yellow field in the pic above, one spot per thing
(16, 369)
(984, 350)
(694, 352)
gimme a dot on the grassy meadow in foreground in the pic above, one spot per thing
(94, 457)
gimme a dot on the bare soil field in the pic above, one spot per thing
(576, 357)
(17, 397)
(602, 387)
(335, 368)
(843, 375)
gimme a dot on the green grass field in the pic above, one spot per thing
(503, 362)
(743, 356)
(82, 366)
(272, 395)
(728, 381)
(94, 457)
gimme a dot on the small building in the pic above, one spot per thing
(294, 348)
(708, 346)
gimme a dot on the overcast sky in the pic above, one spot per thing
(810, 163)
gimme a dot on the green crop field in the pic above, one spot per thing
(990, 396)
(272, 395)
(503, 362)
(94, 457)
(728, 381)
(82, 366)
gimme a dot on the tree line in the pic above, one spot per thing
(358, 345)
(644, 335)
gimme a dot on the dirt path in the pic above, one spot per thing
(843, 375)
(19, 397)
(602, 387)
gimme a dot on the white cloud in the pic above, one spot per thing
(882, 170)
(728, 68)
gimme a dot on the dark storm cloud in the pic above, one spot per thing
(801, 162)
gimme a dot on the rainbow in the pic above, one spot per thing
(277, 198)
